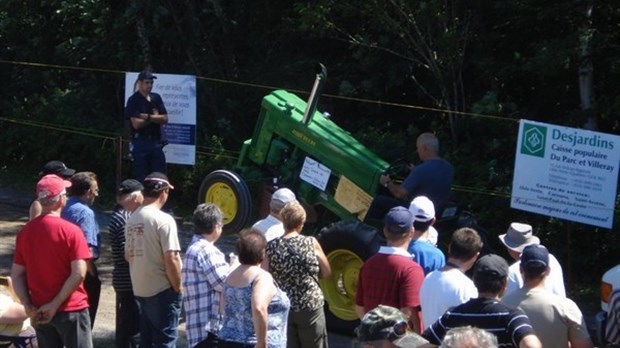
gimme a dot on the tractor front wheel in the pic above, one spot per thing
(230, 193)
(347, 245)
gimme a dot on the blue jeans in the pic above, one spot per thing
(67, 329)
(148, 157)
(159, 319)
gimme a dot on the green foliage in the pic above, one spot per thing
(505, 60)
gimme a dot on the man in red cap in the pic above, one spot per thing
(51, 167)
(49, 268)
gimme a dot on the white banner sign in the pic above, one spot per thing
(315, 173)
(566, 173)
(179, 95)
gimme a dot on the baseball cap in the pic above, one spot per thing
(519, 236)
(398, 220)
(491, 265)
(51, 185)
(281, 197)
(157, 177)
(58, 168)
(535, 255)
(146, 75)
(387, 323)
(129, 186)
(422, 208)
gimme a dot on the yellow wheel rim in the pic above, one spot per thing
(224, 197)
(340, 287)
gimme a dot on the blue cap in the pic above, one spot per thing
(398, 220)
(535, 255)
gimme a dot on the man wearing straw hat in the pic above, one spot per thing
(517, 237)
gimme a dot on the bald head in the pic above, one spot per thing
(427, 146)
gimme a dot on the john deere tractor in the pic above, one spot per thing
(333, 175)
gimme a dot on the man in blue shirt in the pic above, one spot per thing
(431, 178)
(147, 113)
(83, 191)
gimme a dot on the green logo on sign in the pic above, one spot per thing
(533, 142)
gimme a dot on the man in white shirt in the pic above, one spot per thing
(271, 226)
(449, 286)
(517, 237)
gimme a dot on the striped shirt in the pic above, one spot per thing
(508, 324)
(204, 271)
(121, 280)
(612, 330)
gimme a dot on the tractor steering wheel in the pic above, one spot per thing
(398, 169)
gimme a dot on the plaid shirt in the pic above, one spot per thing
(204, 271)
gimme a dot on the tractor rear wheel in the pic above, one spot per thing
(230, 193)
(347, 245)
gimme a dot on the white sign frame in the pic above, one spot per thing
(566, 173)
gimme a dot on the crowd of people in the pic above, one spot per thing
(409, 294)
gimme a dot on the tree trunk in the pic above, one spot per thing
(586, 72)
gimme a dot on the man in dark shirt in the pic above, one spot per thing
(511, 326)
(147, 113)
(431, 178)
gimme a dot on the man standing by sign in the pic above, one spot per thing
(147, 114)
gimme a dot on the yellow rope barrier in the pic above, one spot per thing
(268, 87)
(229, 153)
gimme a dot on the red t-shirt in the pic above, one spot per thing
(46, 246)
(391, 280)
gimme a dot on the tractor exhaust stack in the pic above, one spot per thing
(321, 76)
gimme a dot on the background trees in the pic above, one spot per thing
(483, 64)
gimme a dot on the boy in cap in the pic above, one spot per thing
(511, 326)
(424, 252)
(391, 277)
(387, 326)
(153, 252)
(557, 320)
(517, 237)
(147, 113)
(128, 197)
(49, 267)
(271, 226)
(51, 167)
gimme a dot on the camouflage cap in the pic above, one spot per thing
(389, 323)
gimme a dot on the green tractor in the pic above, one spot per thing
(333, 175)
